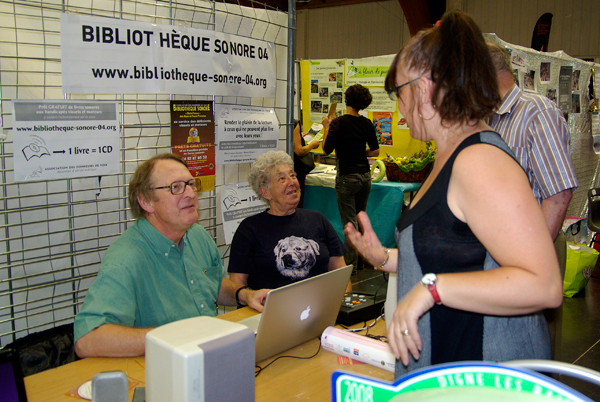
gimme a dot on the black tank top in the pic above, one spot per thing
(444, 244)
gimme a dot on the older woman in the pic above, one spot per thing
(475, 261)
(283, 244)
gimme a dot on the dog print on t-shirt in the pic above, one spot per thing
(296, 256)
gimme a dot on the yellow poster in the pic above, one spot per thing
(321, 85)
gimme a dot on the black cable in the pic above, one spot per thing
(354, 329)
(259, 369)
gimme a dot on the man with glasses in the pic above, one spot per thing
(163, 268)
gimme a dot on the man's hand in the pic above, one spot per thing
(255, 299)
(252, 298)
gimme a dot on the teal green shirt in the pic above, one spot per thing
(145, 280)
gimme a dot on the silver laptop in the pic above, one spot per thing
(296, 313)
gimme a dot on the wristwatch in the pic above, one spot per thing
(429, 281)
(237, 296)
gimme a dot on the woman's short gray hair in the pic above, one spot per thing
(260, 172)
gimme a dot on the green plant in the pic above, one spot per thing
(416, 161)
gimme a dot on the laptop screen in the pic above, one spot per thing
(11, 377)
(295, 313)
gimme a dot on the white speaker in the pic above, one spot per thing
(200, 359)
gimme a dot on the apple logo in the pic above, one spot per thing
(305, 314)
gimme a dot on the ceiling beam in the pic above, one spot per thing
(301, 5)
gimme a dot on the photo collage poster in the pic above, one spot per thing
(550, 76)
(323, 83)
(326, 88)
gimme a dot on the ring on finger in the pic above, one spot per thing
(404, 332)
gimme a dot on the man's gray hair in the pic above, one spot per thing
(500, 58)
(260, 172)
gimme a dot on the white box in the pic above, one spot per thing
(200, 359)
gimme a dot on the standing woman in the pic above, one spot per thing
(353, 137)
(302, 151)
(475, 263)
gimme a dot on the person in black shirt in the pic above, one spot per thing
(283, 244)
(353, 138)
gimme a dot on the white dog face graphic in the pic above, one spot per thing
(295, 256)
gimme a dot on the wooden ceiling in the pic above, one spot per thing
(282, 5)
(419, 13)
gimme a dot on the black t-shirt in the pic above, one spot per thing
(278, 250)
(349, 135)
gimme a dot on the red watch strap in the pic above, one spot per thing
(436, 296)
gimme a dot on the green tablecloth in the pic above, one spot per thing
(384, 207)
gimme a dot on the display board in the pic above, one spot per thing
(560, 77)
(564, 80)
(323, 83)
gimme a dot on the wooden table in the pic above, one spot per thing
(286, 379)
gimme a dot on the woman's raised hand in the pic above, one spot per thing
(366, 243)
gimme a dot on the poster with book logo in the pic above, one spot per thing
(193, 138)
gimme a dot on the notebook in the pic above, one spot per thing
(296, 313)
(12, 385)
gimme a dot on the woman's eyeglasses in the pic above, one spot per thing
(395, 94)
(178, 187)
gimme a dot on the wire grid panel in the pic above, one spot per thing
(55, 232)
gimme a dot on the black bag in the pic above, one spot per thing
(303, 165)
(46, 349)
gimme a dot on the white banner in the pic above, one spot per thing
(105, 55)
(238, 201)
(368, 72)
(244, 132)
(58, 139)
(381, 101)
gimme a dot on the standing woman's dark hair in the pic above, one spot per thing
(457, 57)
(358, 97)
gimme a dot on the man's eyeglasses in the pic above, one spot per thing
(178, 187)
(395, 94)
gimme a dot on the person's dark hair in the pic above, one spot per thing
(358, 97)
(141, 182)
(457, 57)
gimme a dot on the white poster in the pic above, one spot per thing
(238, 201)
(105, 55)
(244, 132)
(58, 139)
(326, 88)
(518, 59)
(381, 101)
